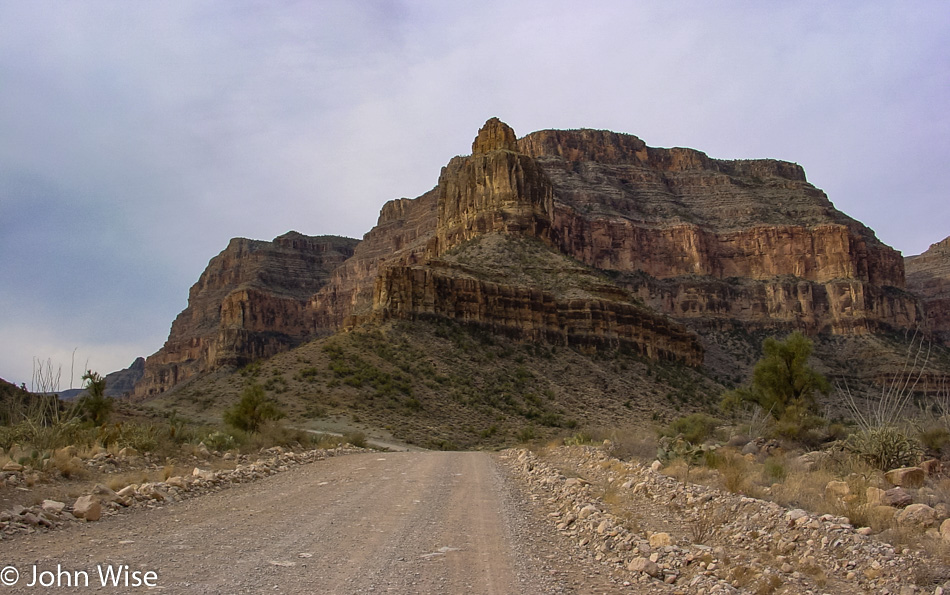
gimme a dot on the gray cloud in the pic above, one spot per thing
(136, 139)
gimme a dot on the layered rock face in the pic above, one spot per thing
(496, 189)
(705, 227)
(684, 239)
(250, 302)
(928, 276)
(531, 314)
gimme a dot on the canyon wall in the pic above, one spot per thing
(250, 302)
(685, 240)
(531, 314)
(928, 276)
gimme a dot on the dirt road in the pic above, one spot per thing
(401, 522)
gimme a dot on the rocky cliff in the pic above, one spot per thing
(928, 276)
(646, 240)
(697, 230)
(250, 302)
(121, 383)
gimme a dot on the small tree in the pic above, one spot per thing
(782, 381)
(252, 410)
(95, 406)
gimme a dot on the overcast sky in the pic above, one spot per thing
(136, 138)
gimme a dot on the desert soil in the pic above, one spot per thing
(393, 522)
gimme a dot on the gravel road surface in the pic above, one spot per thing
(394, 522)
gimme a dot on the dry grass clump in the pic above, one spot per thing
(68, 464)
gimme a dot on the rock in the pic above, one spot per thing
(206, 474)
(177, 482)
(105, 493)
(917, 515)
(644, 565)
(495, 135)
(874, 496)
(928, 276)
(127, 492)
(897, 498)
(88, 508)
(658, 540)
(932, 467)
(795, 514)
(656, 466)
(235, 313)
(945, 529)
(906, 477)
(752, 448)
(837, 489)
(882, 513)
(53, 506)
(11, 466)
(737, 441)
(587, 511)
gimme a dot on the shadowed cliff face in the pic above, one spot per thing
(250, 302)
(686, 240)
(928, 276)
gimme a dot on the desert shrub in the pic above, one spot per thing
(884, 448)
(357, 439)
(527, 434)
(695, 428)
(252, 410)
(219, 440)
(578, 439)
(733, 469)
(141, 437)
(273, 433)
(774, 469)
(935, 439)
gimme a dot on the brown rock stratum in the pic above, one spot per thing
(928, 275)
(686, 240)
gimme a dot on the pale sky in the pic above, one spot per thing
(136, 138)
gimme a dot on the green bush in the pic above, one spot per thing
(95, 406)
(695, 428)
(935, 439)
(250, 413)
(782, 379)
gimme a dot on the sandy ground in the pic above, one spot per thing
(394, 522)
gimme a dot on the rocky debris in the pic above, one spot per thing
(672, 537)
(103, 501)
